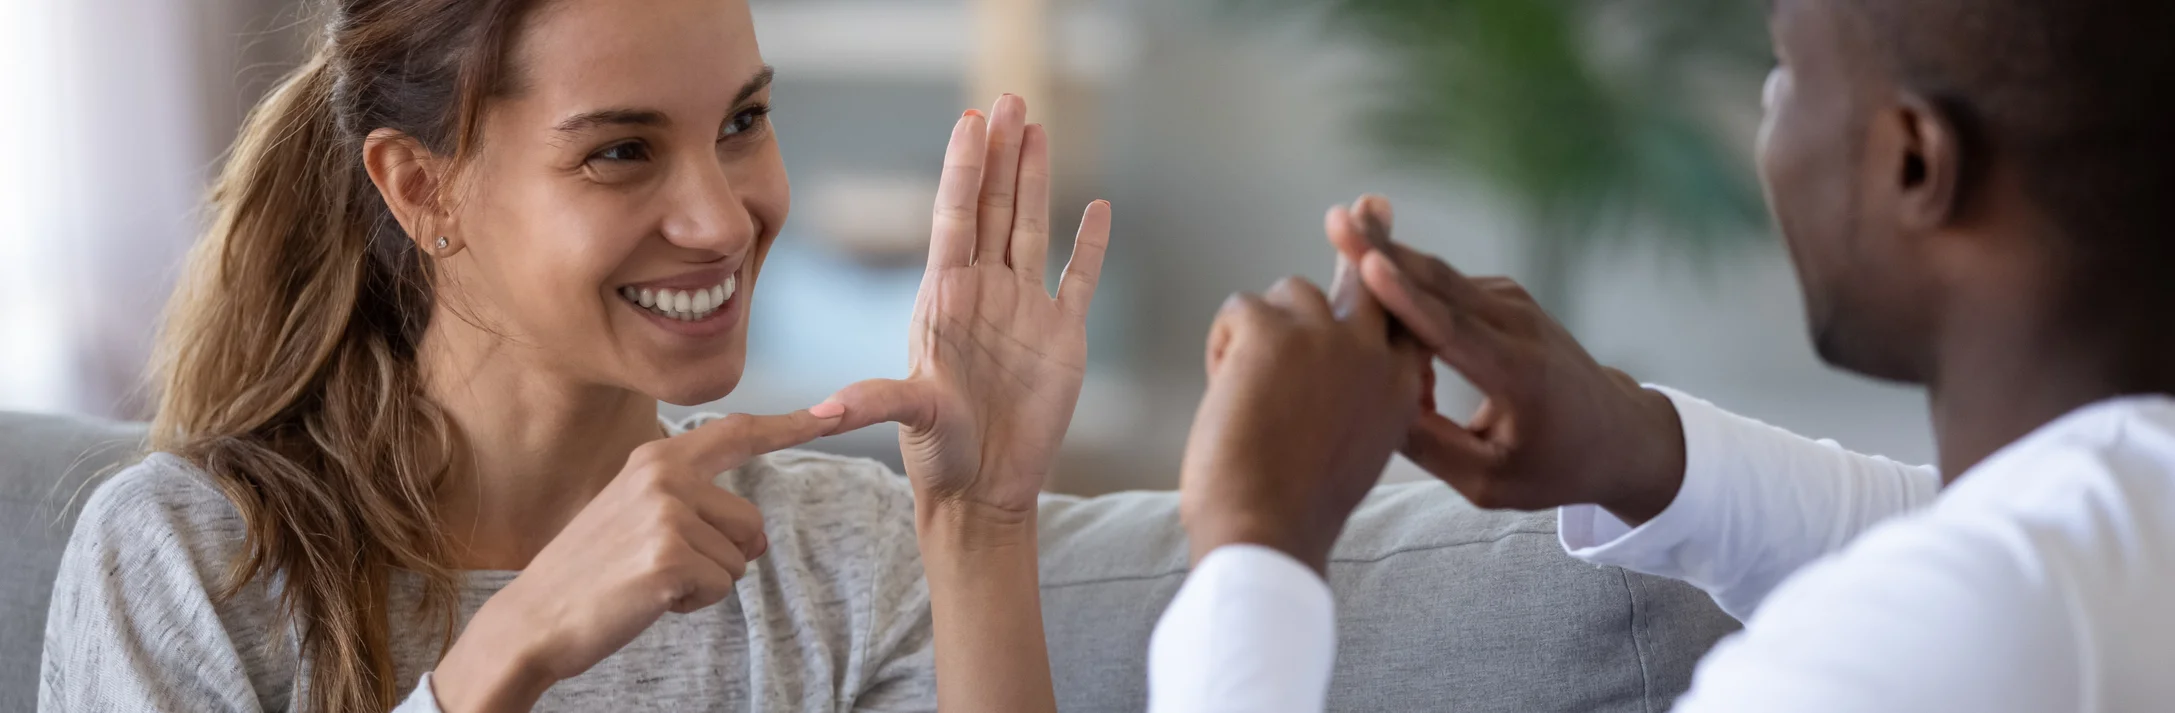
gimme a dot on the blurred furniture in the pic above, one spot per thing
(1441, 606)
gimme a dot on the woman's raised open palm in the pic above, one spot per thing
(995, 363)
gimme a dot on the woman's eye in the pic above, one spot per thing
(629, 151)
(748, 119)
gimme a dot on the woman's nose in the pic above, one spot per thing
(708, 214)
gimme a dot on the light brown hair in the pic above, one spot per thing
(286, 367)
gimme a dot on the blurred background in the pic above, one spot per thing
(1599, 150)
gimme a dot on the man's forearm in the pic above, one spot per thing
(1756, 503)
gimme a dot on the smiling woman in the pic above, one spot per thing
(408, 447)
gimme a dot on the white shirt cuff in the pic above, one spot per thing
(1252, 630)
(1592, 534)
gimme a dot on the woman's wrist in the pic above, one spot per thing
(966, 528)
(985, 603)
(490, 668)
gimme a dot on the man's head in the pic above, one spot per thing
(1927, 159)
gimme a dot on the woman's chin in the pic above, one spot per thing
(698, 386)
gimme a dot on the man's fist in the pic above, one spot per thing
(1305, 403)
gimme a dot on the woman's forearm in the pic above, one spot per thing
(488, 669)
(985, 600)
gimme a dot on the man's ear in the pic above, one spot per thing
(1929, 171)
(408, 176)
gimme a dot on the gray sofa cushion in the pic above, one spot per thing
(1440, 606)
(46, 466)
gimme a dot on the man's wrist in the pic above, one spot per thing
(1207, 532)
(1651, 484)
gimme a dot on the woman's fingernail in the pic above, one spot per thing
(827, 409)
(970, 112)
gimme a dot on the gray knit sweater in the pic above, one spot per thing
(834, 617)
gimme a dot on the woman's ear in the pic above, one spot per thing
(408, 176)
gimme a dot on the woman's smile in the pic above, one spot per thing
(698, 304)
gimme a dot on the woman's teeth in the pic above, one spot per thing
(683, 305)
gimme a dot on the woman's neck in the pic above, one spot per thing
(537, 446)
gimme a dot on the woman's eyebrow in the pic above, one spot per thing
(625, 116)
(755, 84)
(611, 117)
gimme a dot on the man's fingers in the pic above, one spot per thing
(1485, 417)
(1300, 297)
(1445, 282)
(1429, 319)
(1427, 375)
(1077, 288)
(1355, 231)
(1240, 312)
(1504, 288)
(1451, 453)
(866, 403)
(1466, 344)
(1031, 216)
(1220, 334)
(1375, 217)
(725, 443)
(1363, 226)
(1344, 234)
(1346, 287)
(1354, 305)
(1000, 179)
(958, 194)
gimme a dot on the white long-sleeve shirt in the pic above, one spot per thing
(2042, 580)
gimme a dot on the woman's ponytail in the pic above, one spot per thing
(286, 367)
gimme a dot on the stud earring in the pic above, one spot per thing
(442, 243)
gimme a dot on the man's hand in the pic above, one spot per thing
(1557, 428)
(1306, 401)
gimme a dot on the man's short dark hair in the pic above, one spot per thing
(2077, 94)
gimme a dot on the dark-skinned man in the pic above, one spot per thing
(1973, 193)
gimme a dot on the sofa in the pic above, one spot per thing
(1441, 606)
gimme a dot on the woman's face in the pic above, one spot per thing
(623, 196)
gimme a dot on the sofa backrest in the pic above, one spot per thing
(48, 465)
(1440, 605)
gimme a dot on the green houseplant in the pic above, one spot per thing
(1591, 119)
